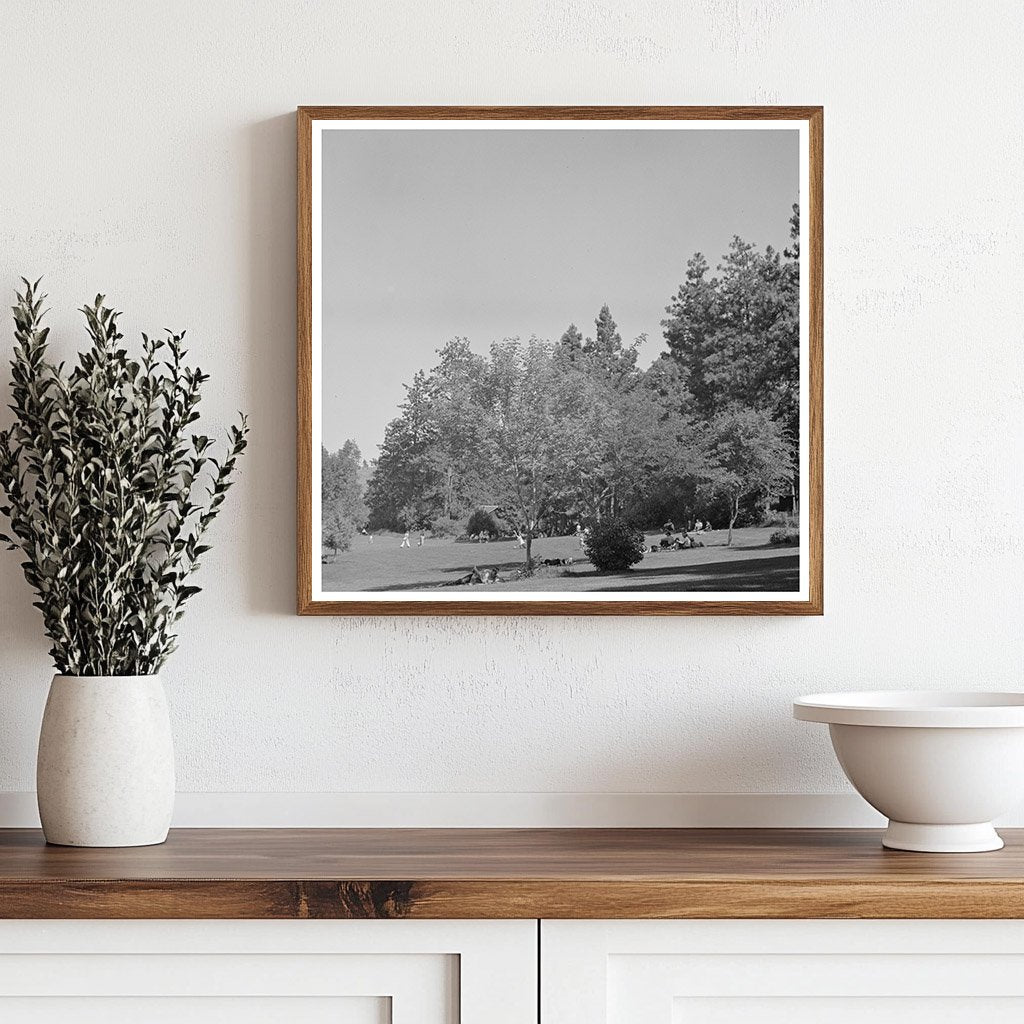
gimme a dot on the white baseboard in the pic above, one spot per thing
(494, 810)
(503, 810)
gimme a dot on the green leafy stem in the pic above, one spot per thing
(108, 493)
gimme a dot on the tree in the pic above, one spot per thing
(671, 475)
(606, 350)
(690, 327)
(787, 331)
(570, 345)
(408, 517)
(455, 385)
(531, 428)
(607, 339)
(405, 472)
(756, 359)
(748, 454)
(629, 438)
(427, 459)
(343, 511)
(737, 335)
(626, 432)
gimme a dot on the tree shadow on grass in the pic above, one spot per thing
(753, 574)
(771, 575)
(500, 566)
(456, 571)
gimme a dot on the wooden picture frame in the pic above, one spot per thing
(807, 599)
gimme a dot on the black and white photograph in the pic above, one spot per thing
(559, 360)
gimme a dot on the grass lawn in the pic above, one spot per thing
(750, 564)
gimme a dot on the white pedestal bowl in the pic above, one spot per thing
(940, 766)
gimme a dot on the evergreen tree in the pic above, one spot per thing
(691, 324)
(737, 335)
(605, 349)
(405, 474)
(571, 341)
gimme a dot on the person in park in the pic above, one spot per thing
(423, 537)
(366, 533)
(521, 539)
(405, 541)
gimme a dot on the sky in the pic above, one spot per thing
(487, 234)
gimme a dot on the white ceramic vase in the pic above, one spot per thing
(105, 771)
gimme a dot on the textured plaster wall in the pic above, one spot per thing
(147, 150)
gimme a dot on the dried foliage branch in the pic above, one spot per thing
(109, 495)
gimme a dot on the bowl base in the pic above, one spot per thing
(979, 838)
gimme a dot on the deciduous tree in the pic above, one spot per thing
(343, 511)
(747, 454)
(530, 415)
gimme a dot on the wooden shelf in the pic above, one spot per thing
(508, 873)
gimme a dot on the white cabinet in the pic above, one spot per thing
(258, 972)
(486, 972)
(782, 972)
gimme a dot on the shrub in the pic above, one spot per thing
(337, 532)
(482, 521)
(784, 537)
(613, 545)
(775, 518)
(442, 526)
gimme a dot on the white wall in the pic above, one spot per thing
(147, 150)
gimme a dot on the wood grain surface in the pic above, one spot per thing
(508, 873)
(306, 605)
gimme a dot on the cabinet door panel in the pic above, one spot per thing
(848, 1010)
(798, 972)
(190, 1010)
(301, 972)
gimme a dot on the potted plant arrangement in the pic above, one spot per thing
(108, 495)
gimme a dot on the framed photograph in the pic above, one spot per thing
(560, 360)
